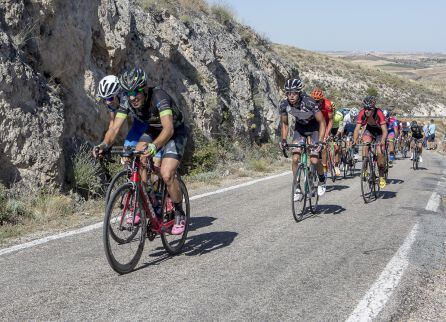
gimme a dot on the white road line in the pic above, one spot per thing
(434, 202)
(249, 183)
(99, 225)
(376, 298)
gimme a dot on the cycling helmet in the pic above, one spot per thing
(354, 112)
(108, 87)
(133, 79)
(369, 102)
(293, 85)
(317, 94)
(413, 123)
(386, 113)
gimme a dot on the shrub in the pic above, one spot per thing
(85, 177)
(223, 13)
(259, 165)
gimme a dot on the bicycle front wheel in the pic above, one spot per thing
(118, 180)
(367, 181)
(123, 238)
(298, 194)
(313, 182)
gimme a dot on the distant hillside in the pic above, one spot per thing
(347, 83)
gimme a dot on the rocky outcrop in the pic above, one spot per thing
(54, 52)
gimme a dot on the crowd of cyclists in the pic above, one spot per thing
(159, 134)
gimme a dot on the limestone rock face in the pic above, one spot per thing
(54, 52)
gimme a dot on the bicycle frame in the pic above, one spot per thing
(156, 224)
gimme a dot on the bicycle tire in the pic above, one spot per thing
(113, 184)
(115, 264)
(313, 182)
(175, 249)
(298, 207)
(366, 177)
(331, 166)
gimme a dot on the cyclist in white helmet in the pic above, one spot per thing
(109, 91)
(348, 127)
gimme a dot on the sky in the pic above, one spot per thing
(348, 25)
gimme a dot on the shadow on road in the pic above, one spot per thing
(330, 209)
(395, 181)
(388, 194)
(196, 244)
(336, 187)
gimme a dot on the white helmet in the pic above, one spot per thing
(354, 112)
(108, 86)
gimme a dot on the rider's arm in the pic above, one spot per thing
(356, 133)
(384, 133)
(113, 131)
(321, 120)
(285, 126)
(329, 125)
(112, 118)
(167, 131)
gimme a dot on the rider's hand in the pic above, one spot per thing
(150, 150)
(283, 144)
(99, 149)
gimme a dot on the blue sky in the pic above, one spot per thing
(323, 25)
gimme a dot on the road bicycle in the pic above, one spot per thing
(305, 183)
(370, 174)
(123, 238)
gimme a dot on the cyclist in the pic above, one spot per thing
(372, 119)
(326, 107)
(347, 127)
(405, 129)
(310, 123)
(392, 133)
(338, 118)
(417, 137)
(109, 91)
(153, 107)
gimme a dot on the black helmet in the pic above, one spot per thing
(293, 85)
(369, 102)
(413, 123)
(133, 79)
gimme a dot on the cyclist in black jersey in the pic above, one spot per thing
(166, 129)
(310, 123)
(417, 136)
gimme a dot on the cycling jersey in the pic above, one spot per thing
(417, 132)
(375, 120)
(148, 127)
(326, 108)
(405, 127)
(304, 113)
(157, 104)
(338, 117)
(392, 123)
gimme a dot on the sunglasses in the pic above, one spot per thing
(135, 92)
(109, 99)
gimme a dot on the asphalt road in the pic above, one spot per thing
(245, 259)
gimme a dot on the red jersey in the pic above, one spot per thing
(376, 118)
(326, 108)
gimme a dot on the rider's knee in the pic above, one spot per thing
(168, 175)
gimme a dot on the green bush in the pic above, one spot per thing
(12, 211)
(85, 172)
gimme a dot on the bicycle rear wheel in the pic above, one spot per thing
(123, 253)
(415, 158)
(298, 188)
(174, 243)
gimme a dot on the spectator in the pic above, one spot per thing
(431, 135)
